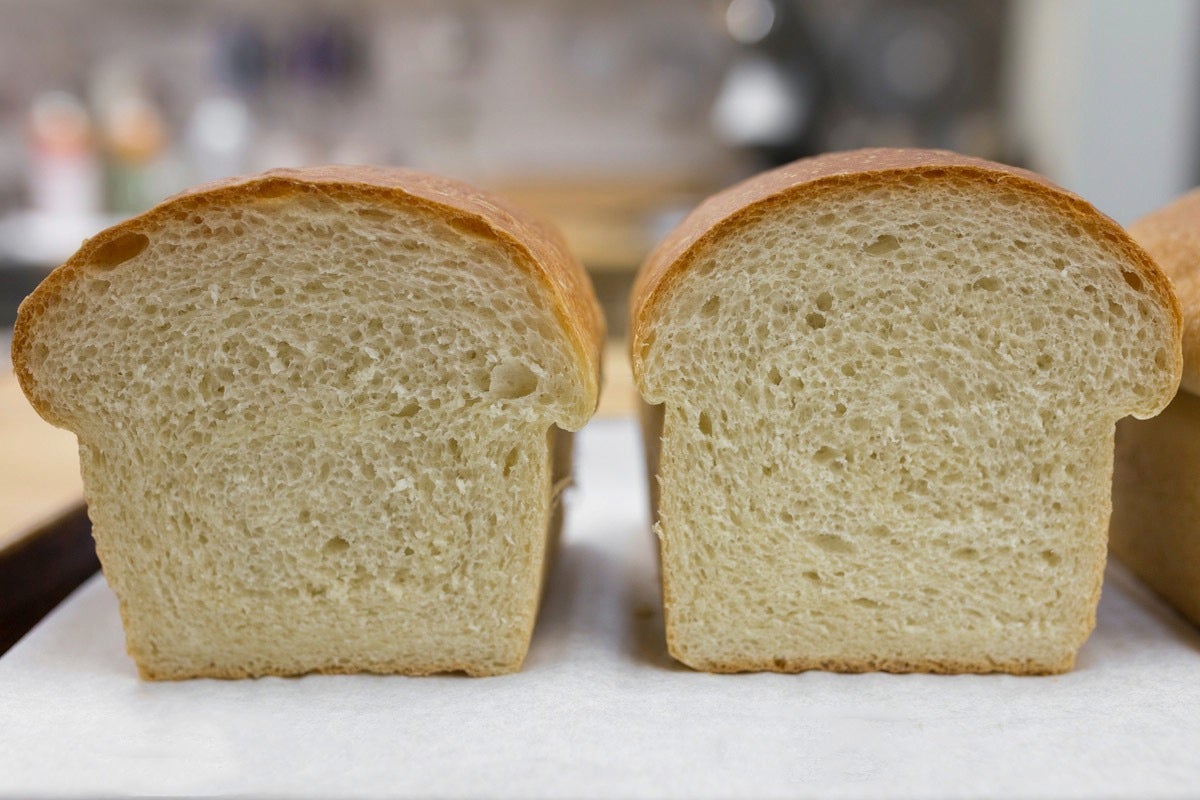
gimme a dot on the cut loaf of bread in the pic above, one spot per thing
(1156, 490)
(317, 414)
(885, 386)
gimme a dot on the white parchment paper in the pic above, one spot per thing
(600, 710)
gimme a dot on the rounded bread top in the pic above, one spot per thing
(809, 178)
(534, 244)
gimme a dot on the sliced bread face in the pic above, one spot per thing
(316, 413)
(888, 384)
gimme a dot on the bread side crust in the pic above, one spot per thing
(1171, 235)
(809, 178)
(535, 245)
(937, 666)
(381, 668)
(1155, 529)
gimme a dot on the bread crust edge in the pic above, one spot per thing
(807, 179)
(893, 665)
(536, 245)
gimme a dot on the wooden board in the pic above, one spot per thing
(45, 539)
(39, 468)
(618, 397)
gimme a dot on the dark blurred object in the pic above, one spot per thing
(327, 56)
(16, 281)
(46, 547)
(324, 69)
(775, 89)
(920, 72)
(41, 570)
(826, 75)
(242, 58)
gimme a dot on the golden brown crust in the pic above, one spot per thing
(1171, 235)
(810, 177)
(536, 245)
(383, 668)
(1155, 526)
(947, 666)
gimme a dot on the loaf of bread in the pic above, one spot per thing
(884, 386)
(322, 420)
(1156, 489)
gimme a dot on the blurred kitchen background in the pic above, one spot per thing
(612, 117)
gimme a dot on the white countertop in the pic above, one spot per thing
(601, 710)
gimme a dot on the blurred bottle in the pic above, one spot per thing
(140, 168)
(774, 91)
(324, 68)
(135, 138)
(64, 175)
(221, 129)
(919, 74)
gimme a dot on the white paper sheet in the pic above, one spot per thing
(600, 710)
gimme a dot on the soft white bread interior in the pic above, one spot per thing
(887, 383)
(1156, 489)
(316, 412)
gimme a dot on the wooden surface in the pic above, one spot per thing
(618, 397)
(39, 467)
(46, 547)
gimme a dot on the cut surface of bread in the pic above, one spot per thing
(316, 413)
(887, 383)
(1155, 527)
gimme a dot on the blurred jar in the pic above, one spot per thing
(135, 143)
(64, 176)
